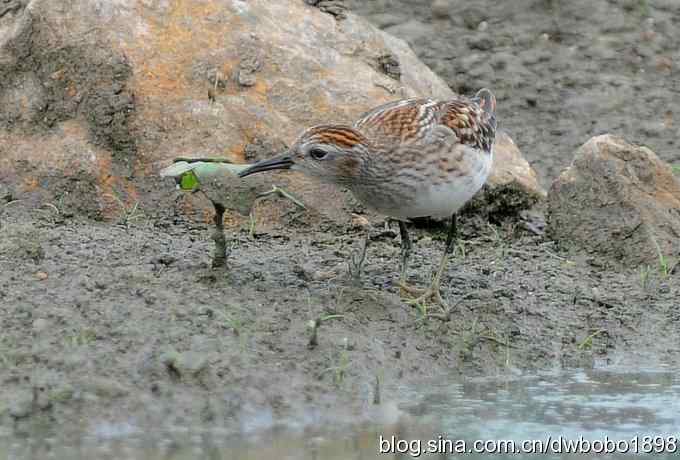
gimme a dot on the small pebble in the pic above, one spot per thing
(359, 221)
(664, 63)
(323, 275)
(40, 324)
(21, 405)
(185, 364)
(105, 387)
(441, 9)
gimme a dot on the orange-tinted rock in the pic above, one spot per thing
(617, 200)
(98, 96)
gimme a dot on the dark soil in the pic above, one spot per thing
(128, 319)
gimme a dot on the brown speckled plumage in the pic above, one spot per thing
(405, 158)
(410, 120)
(408, 158)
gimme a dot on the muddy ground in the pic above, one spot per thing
(127, 319)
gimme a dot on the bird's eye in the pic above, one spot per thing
(318, 154)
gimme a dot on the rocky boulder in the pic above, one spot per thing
(98, 96)
(617, 201)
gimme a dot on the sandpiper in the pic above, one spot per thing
(409, 158)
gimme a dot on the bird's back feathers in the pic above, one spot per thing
(473, 120)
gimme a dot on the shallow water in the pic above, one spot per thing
(596, 405)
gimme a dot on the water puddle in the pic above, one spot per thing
(599, 411)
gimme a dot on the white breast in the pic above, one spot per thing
(444, 199)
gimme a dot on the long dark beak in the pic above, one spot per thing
(278, 162)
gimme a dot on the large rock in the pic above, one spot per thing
(97, 96)
(617, 200)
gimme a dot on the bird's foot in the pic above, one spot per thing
(405, 288)
(355, 264)
(422, 298)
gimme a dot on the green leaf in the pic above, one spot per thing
(188, 181)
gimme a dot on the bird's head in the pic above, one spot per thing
(335, 154)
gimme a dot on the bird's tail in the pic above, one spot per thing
(486, 100)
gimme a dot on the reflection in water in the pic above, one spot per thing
(592, 404)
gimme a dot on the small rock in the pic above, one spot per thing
(648, 35)
(40, 325)
(184, 364)
(324, 275)
(42, 276)
(472, 16)
(617, 200)
(21, 404)
(62, 393)
(106, 388)
(41, 399)
(192, 363)
(664, 64)
(169, 359)
(359, 221)
(441, 9)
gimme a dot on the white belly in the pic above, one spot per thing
(444, 199)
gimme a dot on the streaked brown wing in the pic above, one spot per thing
(411, 120)
(472, 125)
(399, 121)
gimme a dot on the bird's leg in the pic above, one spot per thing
(357, 259)
(405, 251)
(220, 255)
(432, 292)
(406, 247)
